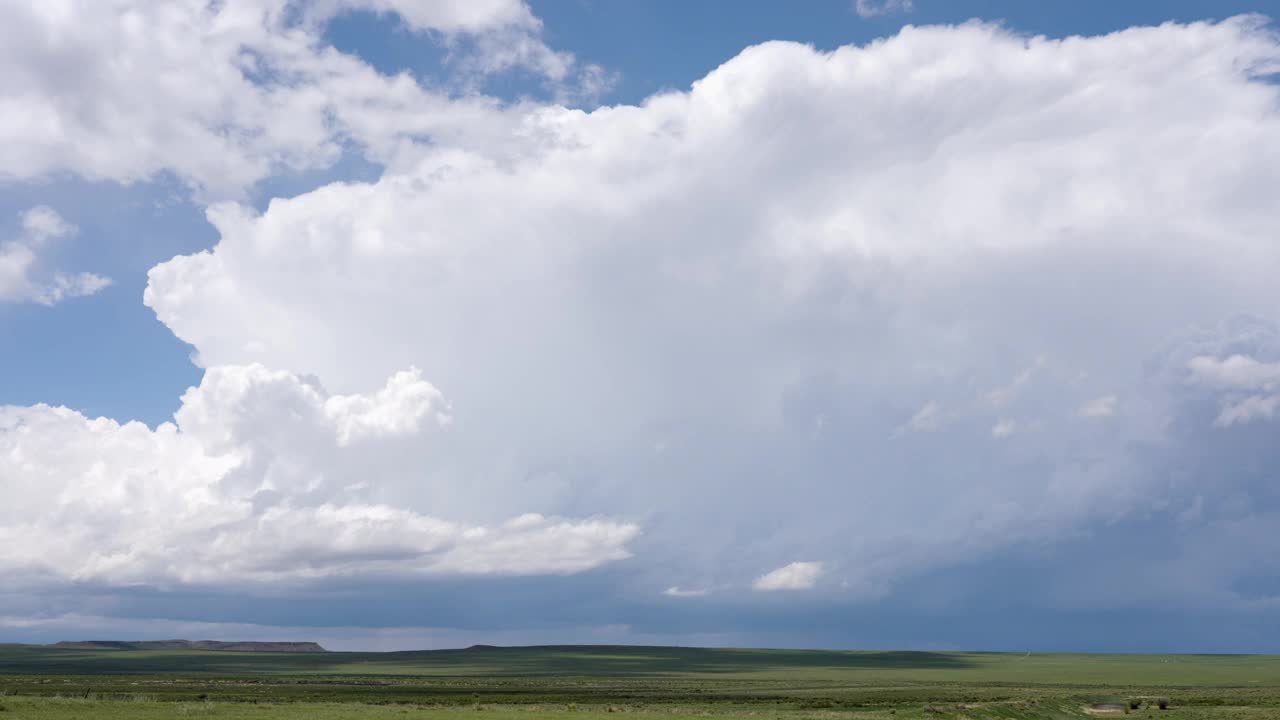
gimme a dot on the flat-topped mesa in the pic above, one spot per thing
(246, 646)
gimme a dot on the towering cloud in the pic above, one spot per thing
(726, 306)
(953, 295)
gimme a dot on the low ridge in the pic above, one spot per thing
(245, 646)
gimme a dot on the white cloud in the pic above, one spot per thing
(21, 279)
(1247, 409)
(504, 34)
(263, 476)
(796, 576)
(1099, 407)
(457, 16)
(225, 94)
(1250, 386)
(1237, 371)
(63, 286)
(676, 591)
(716, 268)
(710, 270)
(1001, 397)
(43, 222)
(874, 8)
(926, 418)
(1004, 428)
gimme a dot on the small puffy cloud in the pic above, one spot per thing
(676, 591)
(1237, 371)
(63, 286)
(22, 277)
(43, 222)
(264, 476)
(875, 8)
(1004, 428)
(1256, 407)
(396, 409)
(1248, 386)
(1099, 407)
(1002, 396)
(796, 576)
(484, 37)
(449, 16)
(926, 418)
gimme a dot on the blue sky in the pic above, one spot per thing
(618, 322)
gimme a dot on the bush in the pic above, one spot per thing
(1163, 703)
(1134, 703)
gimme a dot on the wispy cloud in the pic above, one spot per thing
(1004, 428)
(21, 277)
(796, 576)
(875, 8)
(676, 591)
(1099, 407)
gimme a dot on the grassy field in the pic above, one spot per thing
(674, 683)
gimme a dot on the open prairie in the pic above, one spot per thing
(546, 683)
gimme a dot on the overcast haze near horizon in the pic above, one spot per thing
(900, 324)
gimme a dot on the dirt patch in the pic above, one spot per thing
(1106, 709)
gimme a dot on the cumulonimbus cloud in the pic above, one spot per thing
(719, 303)
(715, 305)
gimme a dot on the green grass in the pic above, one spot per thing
(577, 683)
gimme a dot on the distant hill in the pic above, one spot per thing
(278, 647)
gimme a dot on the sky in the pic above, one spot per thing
(394, 324)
